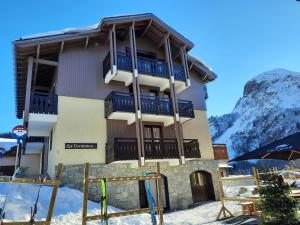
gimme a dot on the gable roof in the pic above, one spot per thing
(50, 45)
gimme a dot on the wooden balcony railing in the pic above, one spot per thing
(124, 102)
(153, 67)
(220, 152)
(121, 149)
(44, 104)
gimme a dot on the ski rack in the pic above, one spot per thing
(54, 183)
(220, 181)
(87, 181)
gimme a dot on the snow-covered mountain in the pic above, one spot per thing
(269, 110)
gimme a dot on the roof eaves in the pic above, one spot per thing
(141, 17)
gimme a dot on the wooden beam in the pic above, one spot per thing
(28, 87)
(46, 62)
(36, 65)
(61, 47)
(159, 198)
(163, 40)
(147, 28)
(85, 193)
(86, 42)
(137, 96)
(178, 132)
(117, 179)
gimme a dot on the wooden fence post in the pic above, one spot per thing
(54, 192)
(158, 186)
(85, 193)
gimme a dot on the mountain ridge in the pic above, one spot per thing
(269, 109)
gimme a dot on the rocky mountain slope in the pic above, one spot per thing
(268, 110)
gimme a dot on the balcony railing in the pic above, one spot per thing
(124, 102)
(220, 152)
(44, 104)
(153, 67)
(126, 149)
(35, 139)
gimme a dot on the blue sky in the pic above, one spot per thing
(239, 39)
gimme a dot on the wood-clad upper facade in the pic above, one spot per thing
(137, 65)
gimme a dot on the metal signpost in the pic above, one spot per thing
(20, 133)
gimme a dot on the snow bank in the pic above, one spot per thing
(69, 203)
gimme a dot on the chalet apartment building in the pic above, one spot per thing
(121, 95)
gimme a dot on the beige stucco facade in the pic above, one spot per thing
(197, 128)
(80, 120)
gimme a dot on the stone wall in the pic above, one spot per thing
(125, 195)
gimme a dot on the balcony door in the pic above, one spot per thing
(153, 141)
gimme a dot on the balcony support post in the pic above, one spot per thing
(185, 66)
(178, 132)
(28, 88)
(113, 48)
(137, 96)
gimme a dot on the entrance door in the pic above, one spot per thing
(153, 142)
(202, 186)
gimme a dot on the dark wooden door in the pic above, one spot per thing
(153, 142)
(202, 186)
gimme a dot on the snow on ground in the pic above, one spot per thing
(69, 203)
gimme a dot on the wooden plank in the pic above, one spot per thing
(46, 62)
(86, 42)
(178, 134)
(133, 178)
(147, 28)
(137, 97)
(28, 181)
(28, 87)
(54, 192)
(163, 40)
(122, 213)
(85, 193)
(26, 223)
(237, 178)
(61, 47)
(159, 198)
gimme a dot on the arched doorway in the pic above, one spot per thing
(164, 192)
(202, 186)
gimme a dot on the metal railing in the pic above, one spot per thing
(121, 149)
(44, 104)
(124, 102)
(153, 67)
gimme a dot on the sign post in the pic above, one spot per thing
(20, 133)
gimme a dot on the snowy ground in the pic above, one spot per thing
(69, 203)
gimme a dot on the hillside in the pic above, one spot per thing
(268, 110)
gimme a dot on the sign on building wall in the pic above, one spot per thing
(80, 145)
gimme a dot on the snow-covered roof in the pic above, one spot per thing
(70, 30)
(224, 165)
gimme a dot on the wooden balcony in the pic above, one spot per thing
(42, 114)
(122, 149)
(120, 106)
(220, 152)
(152, 72)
